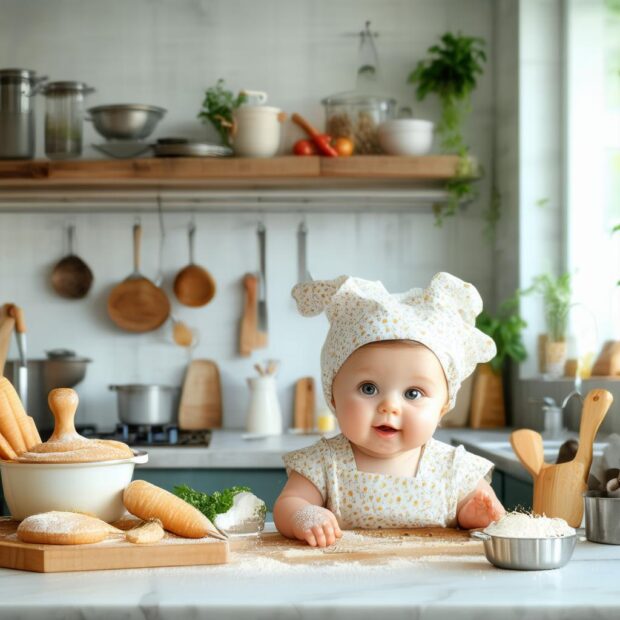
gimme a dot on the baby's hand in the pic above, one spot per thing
(316, 525)
(480, 510)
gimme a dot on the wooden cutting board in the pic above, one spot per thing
(201, 399)
(110, 554)
(364, 546)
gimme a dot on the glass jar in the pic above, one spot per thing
(357, 116)
(64, 116)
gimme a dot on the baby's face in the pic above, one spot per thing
(389, 397)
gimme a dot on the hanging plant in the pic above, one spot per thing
(451, 73)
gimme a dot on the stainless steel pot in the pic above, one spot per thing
(527, 553)
(45, 375)
(17, 123)
(141, 405)
(131, 121)
(602, 518)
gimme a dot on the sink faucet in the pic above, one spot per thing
(576, 391)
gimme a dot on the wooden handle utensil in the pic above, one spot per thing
(558, 489)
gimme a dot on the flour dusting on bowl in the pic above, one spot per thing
(522, 525)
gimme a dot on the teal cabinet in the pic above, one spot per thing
(512, 492)
(265, 483)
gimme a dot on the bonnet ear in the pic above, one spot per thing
(313, 297)
(449, 291)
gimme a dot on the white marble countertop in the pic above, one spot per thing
(229, 450)
(464, 588)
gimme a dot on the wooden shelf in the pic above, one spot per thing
(213, 172)
(277, 184)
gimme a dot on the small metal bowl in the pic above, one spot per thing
(602, 518)
(125, 121)
(527, 553)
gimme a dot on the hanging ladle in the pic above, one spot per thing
(71, 276)
(194, 286)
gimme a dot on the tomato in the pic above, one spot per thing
(344, 147)
(304, 147)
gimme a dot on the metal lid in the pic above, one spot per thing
(357, 98)
(65, 88)
(20, 74)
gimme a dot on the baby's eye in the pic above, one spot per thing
(368, 389)
(413, 394)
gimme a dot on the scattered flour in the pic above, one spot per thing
(521, 525)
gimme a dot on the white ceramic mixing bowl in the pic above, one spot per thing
(406, 136)
(95, 488)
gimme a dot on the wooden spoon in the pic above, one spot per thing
(558, 489)
(194, 286)
(136, 304)
(71, 276)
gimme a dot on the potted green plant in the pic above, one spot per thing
(488, 397)
(451, 72)
(556, 294)
(217, 109)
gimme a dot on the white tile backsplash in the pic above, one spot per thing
(167, 52)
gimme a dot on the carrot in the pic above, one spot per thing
(147, 501)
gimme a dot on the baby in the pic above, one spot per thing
(391, 367)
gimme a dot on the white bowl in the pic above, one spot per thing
(96, 488)
(406, 136)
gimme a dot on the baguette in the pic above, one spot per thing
(34, 431)
(8, 423)
(64, 528)
(147, 501)
(19, 412)
(6, 451)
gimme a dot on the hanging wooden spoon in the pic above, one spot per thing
(194, 286)
(136, 304)
(71, 276)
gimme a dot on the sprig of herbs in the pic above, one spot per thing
(212, 504)
(217, 108)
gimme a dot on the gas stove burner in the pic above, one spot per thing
(160, 436)
(147, 435)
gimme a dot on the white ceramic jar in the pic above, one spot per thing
(256, 127)
(264, 416)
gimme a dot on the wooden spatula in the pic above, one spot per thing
(558, 489)
(303, 417)
(201, 398)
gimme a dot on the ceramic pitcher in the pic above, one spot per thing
(264, 416)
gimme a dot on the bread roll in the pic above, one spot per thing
(64, 528)
(148, 532)
(147, 501)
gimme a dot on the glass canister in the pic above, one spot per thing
(64, 117)
(357, 116)
(17, 122)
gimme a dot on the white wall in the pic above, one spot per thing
(167, 52)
